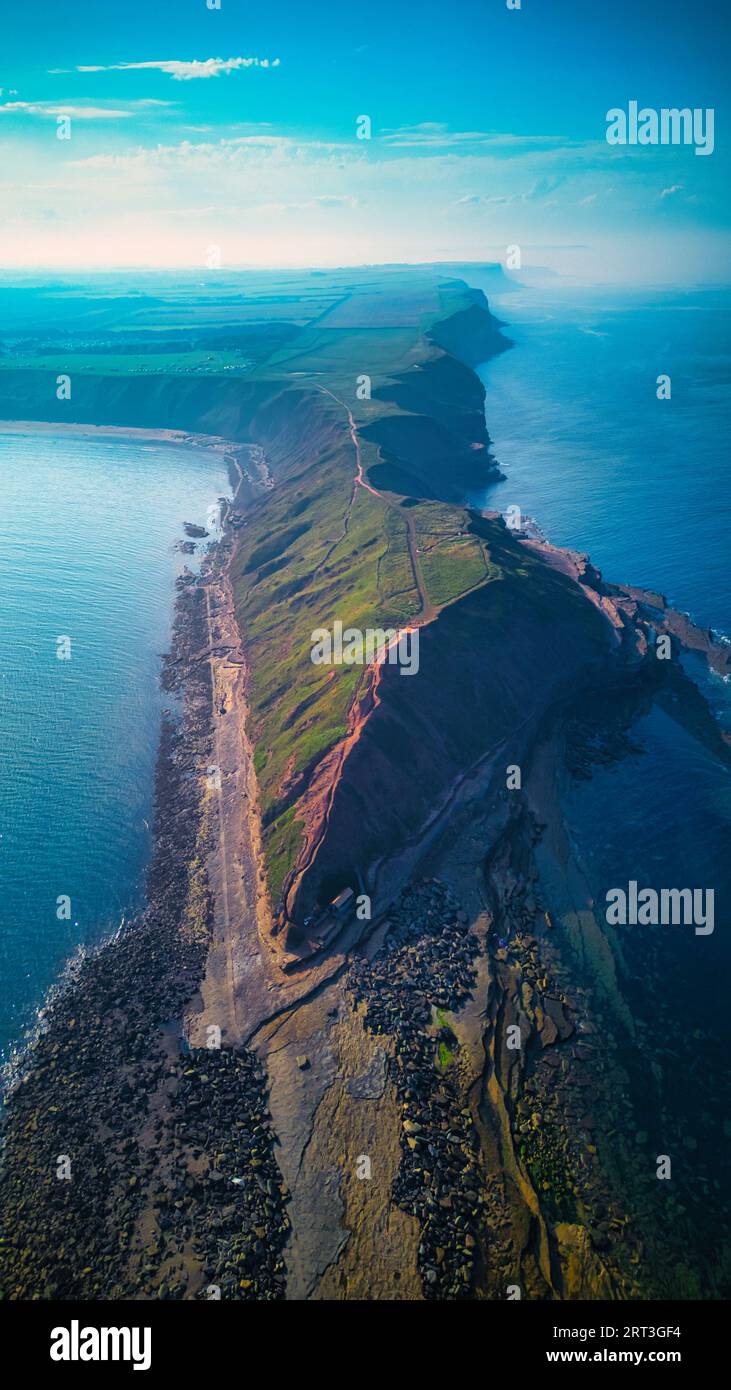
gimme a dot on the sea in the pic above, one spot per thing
(89, 529)
(641, 484)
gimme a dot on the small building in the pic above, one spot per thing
(319, 927)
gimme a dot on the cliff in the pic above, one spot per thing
(492, 664)
(198, 404)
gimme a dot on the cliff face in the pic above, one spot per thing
(331, 541)
(490, 667)
(198, 404)
(472, 335)
(436, 445)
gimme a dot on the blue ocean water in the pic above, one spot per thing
(642, 485)
(88, 528)
(604, 466)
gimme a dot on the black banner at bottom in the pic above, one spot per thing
(197, 1339)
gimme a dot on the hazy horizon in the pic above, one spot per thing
(255, 152)
(45, 276)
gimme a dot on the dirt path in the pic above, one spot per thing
(428, 611)
(219, 699)
(360, 479)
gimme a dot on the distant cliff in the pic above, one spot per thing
(216, 405)
(436, 443)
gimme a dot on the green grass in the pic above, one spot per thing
(129, 363)
(282, 845)
(451, 568)
(297, 568)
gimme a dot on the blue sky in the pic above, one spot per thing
(488, 130)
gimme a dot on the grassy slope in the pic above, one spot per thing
(298, 567)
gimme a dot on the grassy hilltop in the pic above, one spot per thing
(321, 547)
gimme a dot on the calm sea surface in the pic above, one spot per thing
(600, 462)
(88, 529)
(642, 485)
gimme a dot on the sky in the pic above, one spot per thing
(201, 136)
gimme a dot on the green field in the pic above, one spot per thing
(127, 363)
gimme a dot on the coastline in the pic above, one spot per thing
(112, 1047)
(103, 431)
(214, 966)
(124, 433)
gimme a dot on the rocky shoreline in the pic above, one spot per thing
(116, 1181)
(424, 969)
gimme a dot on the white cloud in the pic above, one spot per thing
(274, 153)
(539, 190)
(335, 200)
(310, 204)
(674, 188)
(286, 198)
(436, 134)
(183, 70)
(49, 108)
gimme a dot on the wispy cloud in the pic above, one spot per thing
(538, 190)
(325, 200)
(78, 113)
(318, 196)
(184, 70)
(437, 135)
(277, 152)
(674, 188)
(543, 186)
(334, 200)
